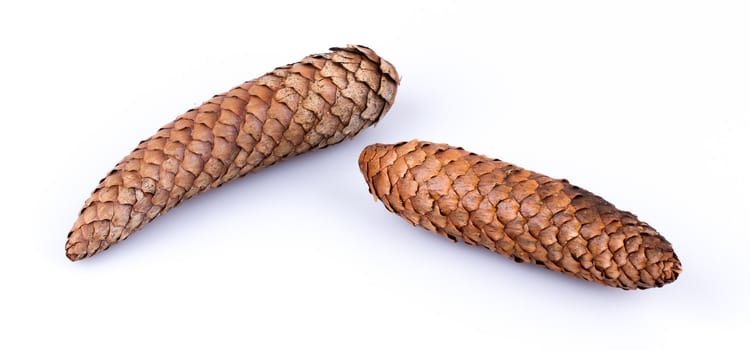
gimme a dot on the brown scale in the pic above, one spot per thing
(314, 103)
(517, 213)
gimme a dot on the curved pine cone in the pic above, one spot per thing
(517, 213)
(311, 104)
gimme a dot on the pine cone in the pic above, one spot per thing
(296, 108)
(517, 213)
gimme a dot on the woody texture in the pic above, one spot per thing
(312, 104)
(517, 213)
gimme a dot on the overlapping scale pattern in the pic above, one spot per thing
(517, 213)
(314, 103)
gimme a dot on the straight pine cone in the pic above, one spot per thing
(517, 213)
(312, 104)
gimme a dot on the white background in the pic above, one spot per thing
(642, 102)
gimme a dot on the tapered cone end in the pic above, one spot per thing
(75, 252)
(370, 166)
(666, 268)
(673, 268)
(78, 245)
